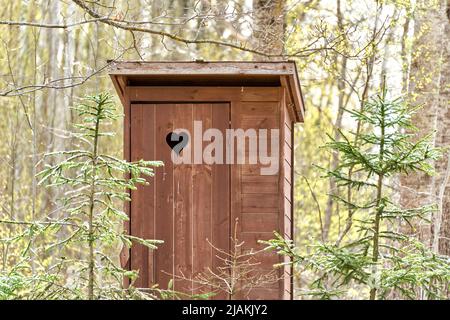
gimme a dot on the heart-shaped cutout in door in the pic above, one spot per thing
(177, 141)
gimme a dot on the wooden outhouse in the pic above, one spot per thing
(234, 181)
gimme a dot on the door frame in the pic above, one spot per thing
(220, 209)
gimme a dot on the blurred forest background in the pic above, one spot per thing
(54, 52)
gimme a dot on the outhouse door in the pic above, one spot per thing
(185, 205)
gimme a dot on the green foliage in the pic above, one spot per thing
(89, 224)
(380, 258)
(309, 192)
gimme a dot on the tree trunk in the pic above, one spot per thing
(268, 28)
(428, 86)
(333, 189)
(441, 232)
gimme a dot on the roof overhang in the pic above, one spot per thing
(201, 73)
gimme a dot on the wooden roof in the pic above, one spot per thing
(203, 73)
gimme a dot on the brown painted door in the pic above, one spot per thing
(185, 205)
